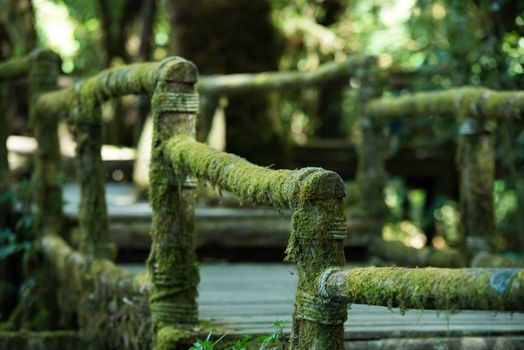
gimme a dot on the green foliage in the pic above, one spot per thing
(271, 341)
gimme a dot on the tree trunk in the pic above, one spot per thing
(234, 36)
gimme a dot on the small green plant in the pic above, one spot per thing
(267, 342)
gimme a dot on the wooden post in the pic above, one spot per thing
(316, 244)
(47, 177)
(172, 261)
(91, 174)
(476, 163)
(371, 176)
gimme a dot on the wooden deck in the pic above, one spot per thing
(248, 298)
(215, 227)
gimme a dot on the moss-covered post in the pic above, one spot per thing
(172, 261)
(318, 232)
(47, 177)
(476, 163)
(371, 175)
(91, 174)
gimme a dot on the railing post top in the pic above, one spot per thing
(321, 185)
(177, 69)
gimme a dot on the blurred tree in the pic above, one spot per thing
(234, 36)
(17, 18)
(330, 97)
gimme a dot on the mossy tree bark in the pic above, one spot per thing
(234, 36)
(172, 262)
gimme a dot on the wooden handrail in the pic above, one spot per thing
(269, 81)
(251, 183)
(461, 102)
(428, 288)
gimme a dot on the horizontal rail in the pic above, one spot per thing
(465, 101)
(428, 288)
(255, 82)
(138, 78)
(110, 304)
(252, 183)
(71, 264)
(15, 68)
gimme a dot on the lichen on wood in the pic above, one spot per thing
(172, 261)
(252, 183)
(109, 305)
(430, 288)
(316, 243)
(257, 82)
(465, 101)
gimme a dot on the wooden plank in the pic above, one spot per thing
(248, 298)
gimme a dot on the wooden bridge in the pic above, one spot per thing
(115, 308)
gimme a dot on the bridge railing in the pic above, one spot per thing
(115, 307)
(476, 112)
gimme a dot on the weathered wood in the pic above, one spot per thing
(172, 261)
(269, 81)
(252, 183)
(138, 78)
(429, 288)
(248, 298)
(465, 101)
(109, 304)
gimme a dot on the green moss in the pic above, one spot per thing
(109, 305)
(172, 262)
(169, 338)
(465, 101)
(317, 323)
(251, 183)
(431, 288)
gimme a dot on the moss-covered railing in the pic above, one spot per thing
(477, 112)
(116, 309)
